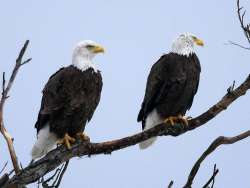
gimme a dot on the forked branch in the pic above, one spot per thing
(5, 92)
(215, 144)
(245, 27)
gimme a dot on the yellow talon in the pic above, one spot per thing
(183, 119)
(176, 119)
(82, 136)
(67, 141)
(170, 119)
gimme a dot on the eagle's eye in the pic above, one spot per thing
(90, 46)
(194, 37)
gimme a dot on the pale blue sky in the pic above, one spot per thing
(135, 34)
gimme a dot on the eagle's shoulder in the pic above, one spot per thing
(56, 78)
(161, 66)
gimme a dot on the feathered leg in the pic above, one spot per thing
(45, 142)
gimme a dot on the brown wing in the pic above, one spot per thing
(154, 86)
(54, 98)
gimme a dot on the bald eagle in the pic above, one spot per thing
(171, 86)
(69, 100)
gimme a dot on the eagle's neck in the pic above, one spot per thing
(83, 62)
(183, 48)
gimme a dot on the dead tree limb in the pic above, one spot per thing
(5, 92)
(245, 27)
(215, 144)
(60, 155)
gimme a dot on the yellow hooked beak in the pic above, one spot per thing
(98, 49)
(199, 42)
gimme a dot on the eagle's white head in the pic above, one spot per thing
(83, 54)
(184, 44)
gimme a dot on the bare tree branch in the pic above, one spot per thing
(5, 91)
(56, 157)
(245, 27)
(215, 144)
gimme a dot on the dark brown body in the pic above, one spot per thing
(172, 83)
(70, 98)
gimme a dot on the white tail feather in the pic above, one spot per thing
(145, 144)
(46, 141)
(152, 120)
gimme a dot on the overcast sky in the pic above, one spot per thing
(135, 34)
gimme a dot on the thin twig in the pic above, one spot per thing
(26, 61)
(6, 163)
(215, 144)
(171, 184)
(215, 173)
(236, 44)
(11, 172)
(52, 177)
(62, 173)
(58, 174)
(3, 84)
(212, 179)
(231, 88)
(57, 177)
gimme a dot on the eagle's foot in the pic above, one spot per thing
(183, 119)
(83, 136)
(67, 141)
(176, 119)
(171, 119)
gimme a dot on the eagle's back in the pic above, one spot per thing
(69, 100)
